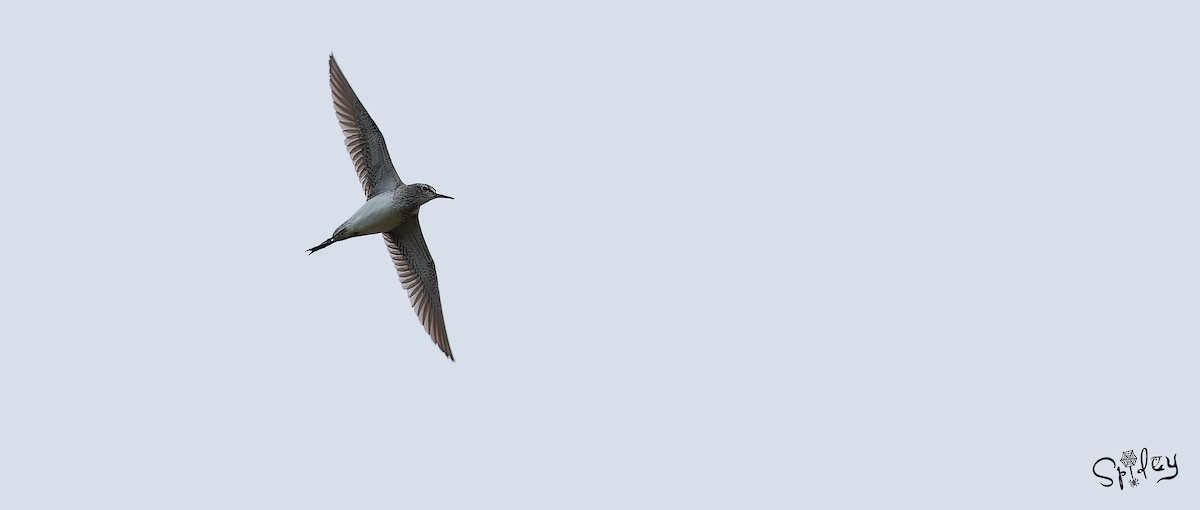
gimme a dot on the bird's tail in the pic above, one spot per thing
(322, 245)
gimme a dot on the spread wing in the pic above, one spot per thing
(419, 277)
(364, 141)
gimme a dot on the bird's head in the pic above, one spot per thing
(425, 193)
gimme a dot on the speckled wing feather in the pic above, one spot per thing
(417, 273)
(364, 141)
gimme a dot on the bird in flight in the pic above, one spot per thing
(391, 208)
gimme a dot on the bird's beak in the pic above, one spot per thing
(438, 195)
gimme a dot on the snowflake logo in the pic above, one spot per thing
(1128, 459)
(1133, 482)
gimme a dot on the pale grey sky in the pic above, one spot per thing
(702, 255)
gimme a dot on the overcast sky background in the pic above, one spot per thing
(702, 255)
